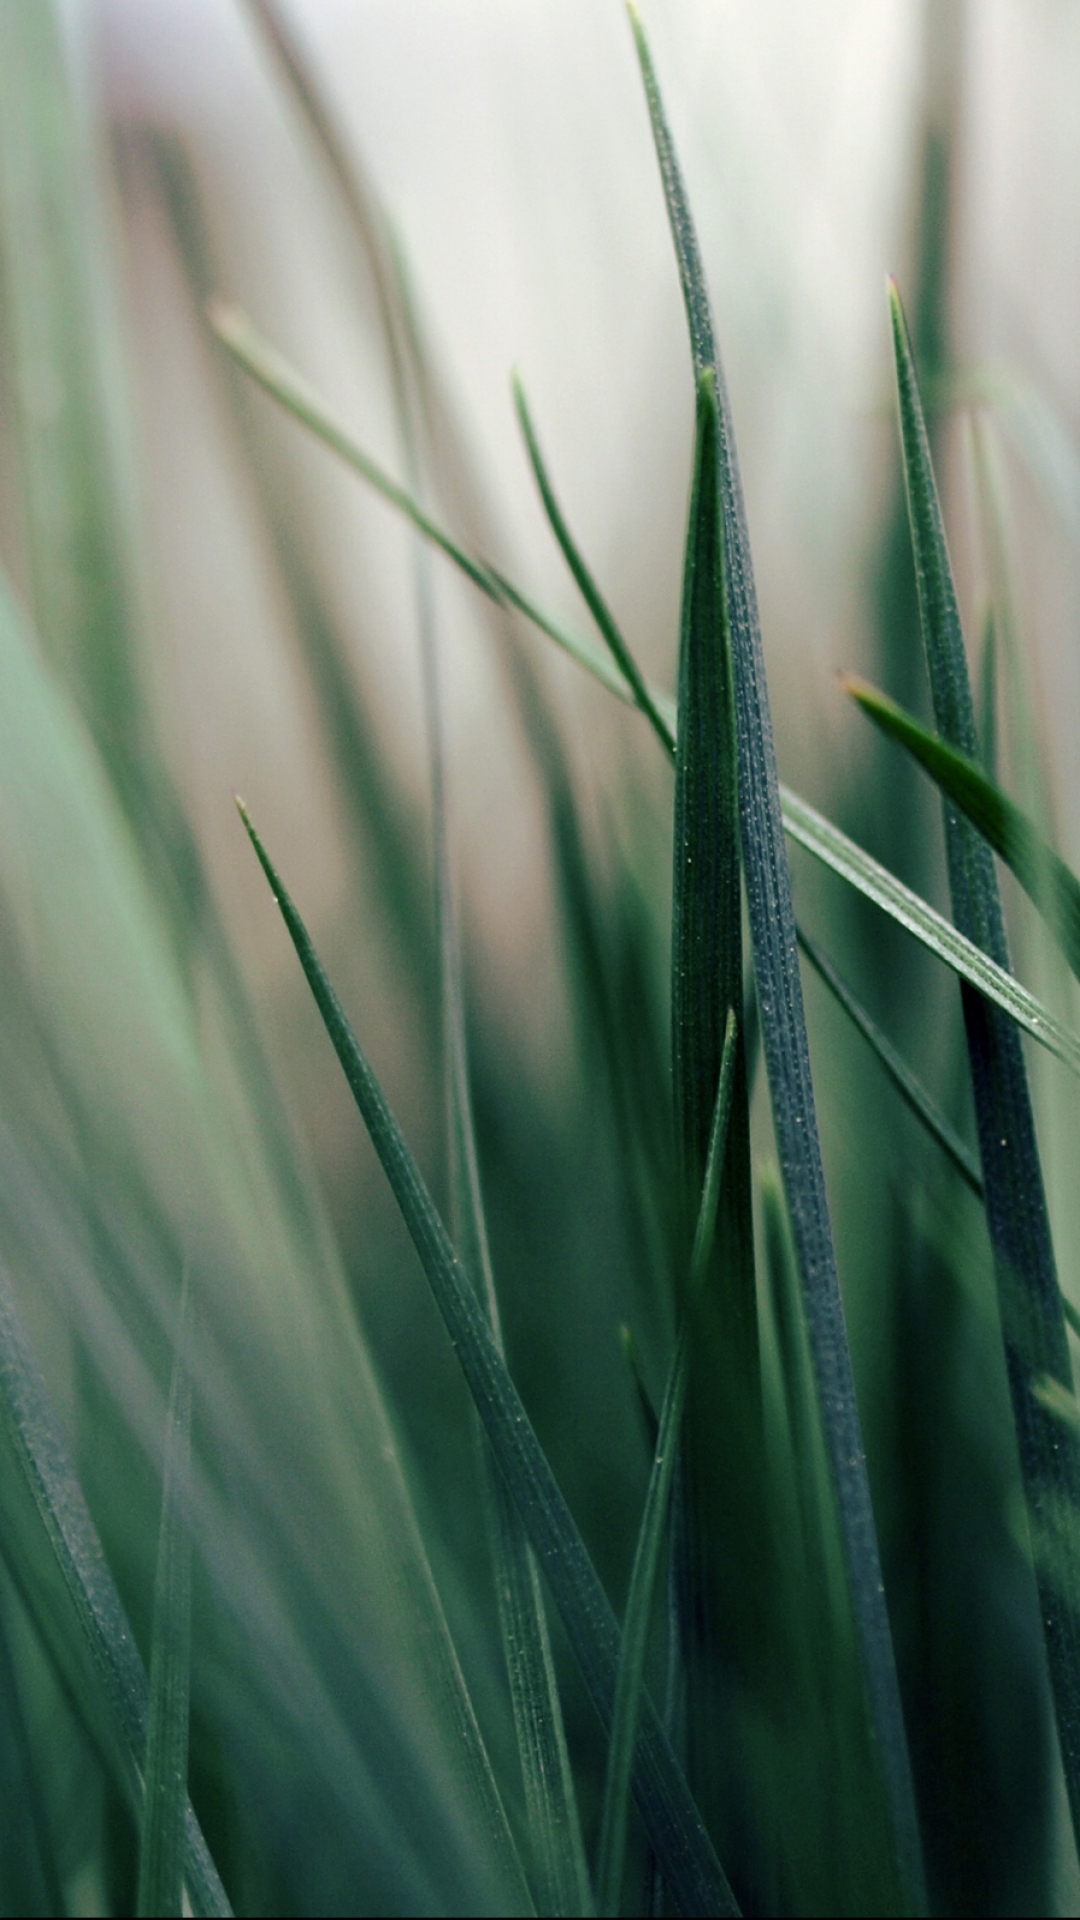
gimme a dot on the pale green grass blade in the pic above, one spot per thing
(811, 830)
(1044, 876)
(283, 384)
(772, 927)
(55, 1556)
(689, 1863)
(611, 1853)
(161, 1860)
(907, 1083)
(1033, 1323)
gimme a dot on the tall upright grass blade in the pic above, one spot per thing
(56, 1559)
(611, 1853)
(772, 927)
(161, 1858)
(904, 1079)
(674, 1825)
(1033, 1323)
(1044, 876)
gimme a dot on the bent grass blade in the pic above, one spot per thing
(675, 1829)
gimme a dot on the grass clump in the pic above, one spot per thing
(291, 1621)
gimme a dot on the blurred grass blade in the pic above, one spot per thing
(613, 1824)
(161, 1847)
(56, 1559)
(682, 1845)
(772, 926)
(826, 842)
(1033, 1322)
(906, 1082)
(590, 592)
(1044, 876)
(550, 1798)
(284, 385)
(29, 1882)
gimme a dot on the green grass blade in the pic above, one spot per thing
(772, 927)
(639, 1604)
(682, 1845)
(722, 1555)
(906, 1082)
(1044, 876)
(56, 1559)
(590, 592)
(1036, 1345)
(161, 1848)
(938, 935)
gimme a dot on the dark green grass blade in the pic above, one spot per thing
(56, 1559)
(639, 1605)
(906, 1082)
(29, 1882)
(689, 1863)
(1036, 1346)
(800, 820)
(772, 927)
(161, 1848)
(1044, 876)
(590, 592)
(722, 1559)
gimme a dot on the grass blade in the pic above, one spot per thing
(772, 927)
(628, 1691)
(1044, 876)
(1033, 1322)
(938, 935)
(161, 1859)
(689, 1863)
(56, 1558)
(907, 1083)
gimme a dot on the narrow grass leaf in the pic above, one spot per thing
(1044, 876)
(161, 1847)
(1036, 1345)
(639, 1605)
(672, 1821)
(811, 830)
(56, 1559)
(772, 927)
(904, 1079)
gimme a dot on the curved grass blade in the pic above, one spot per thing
(161, 1848)
(1033, 1323)
(811, 830)
(907, 1084)
(1044, 876)
(772, 927)
(639, 1604)
(590, 592)
(56, 1559)
(674, 1825)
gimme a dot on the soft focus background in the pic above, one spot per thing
(219, 606)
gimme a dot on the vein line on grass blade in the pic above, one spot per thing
(1033, 1323)
(611, 1852)
(690, 1866)
(772, 926)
